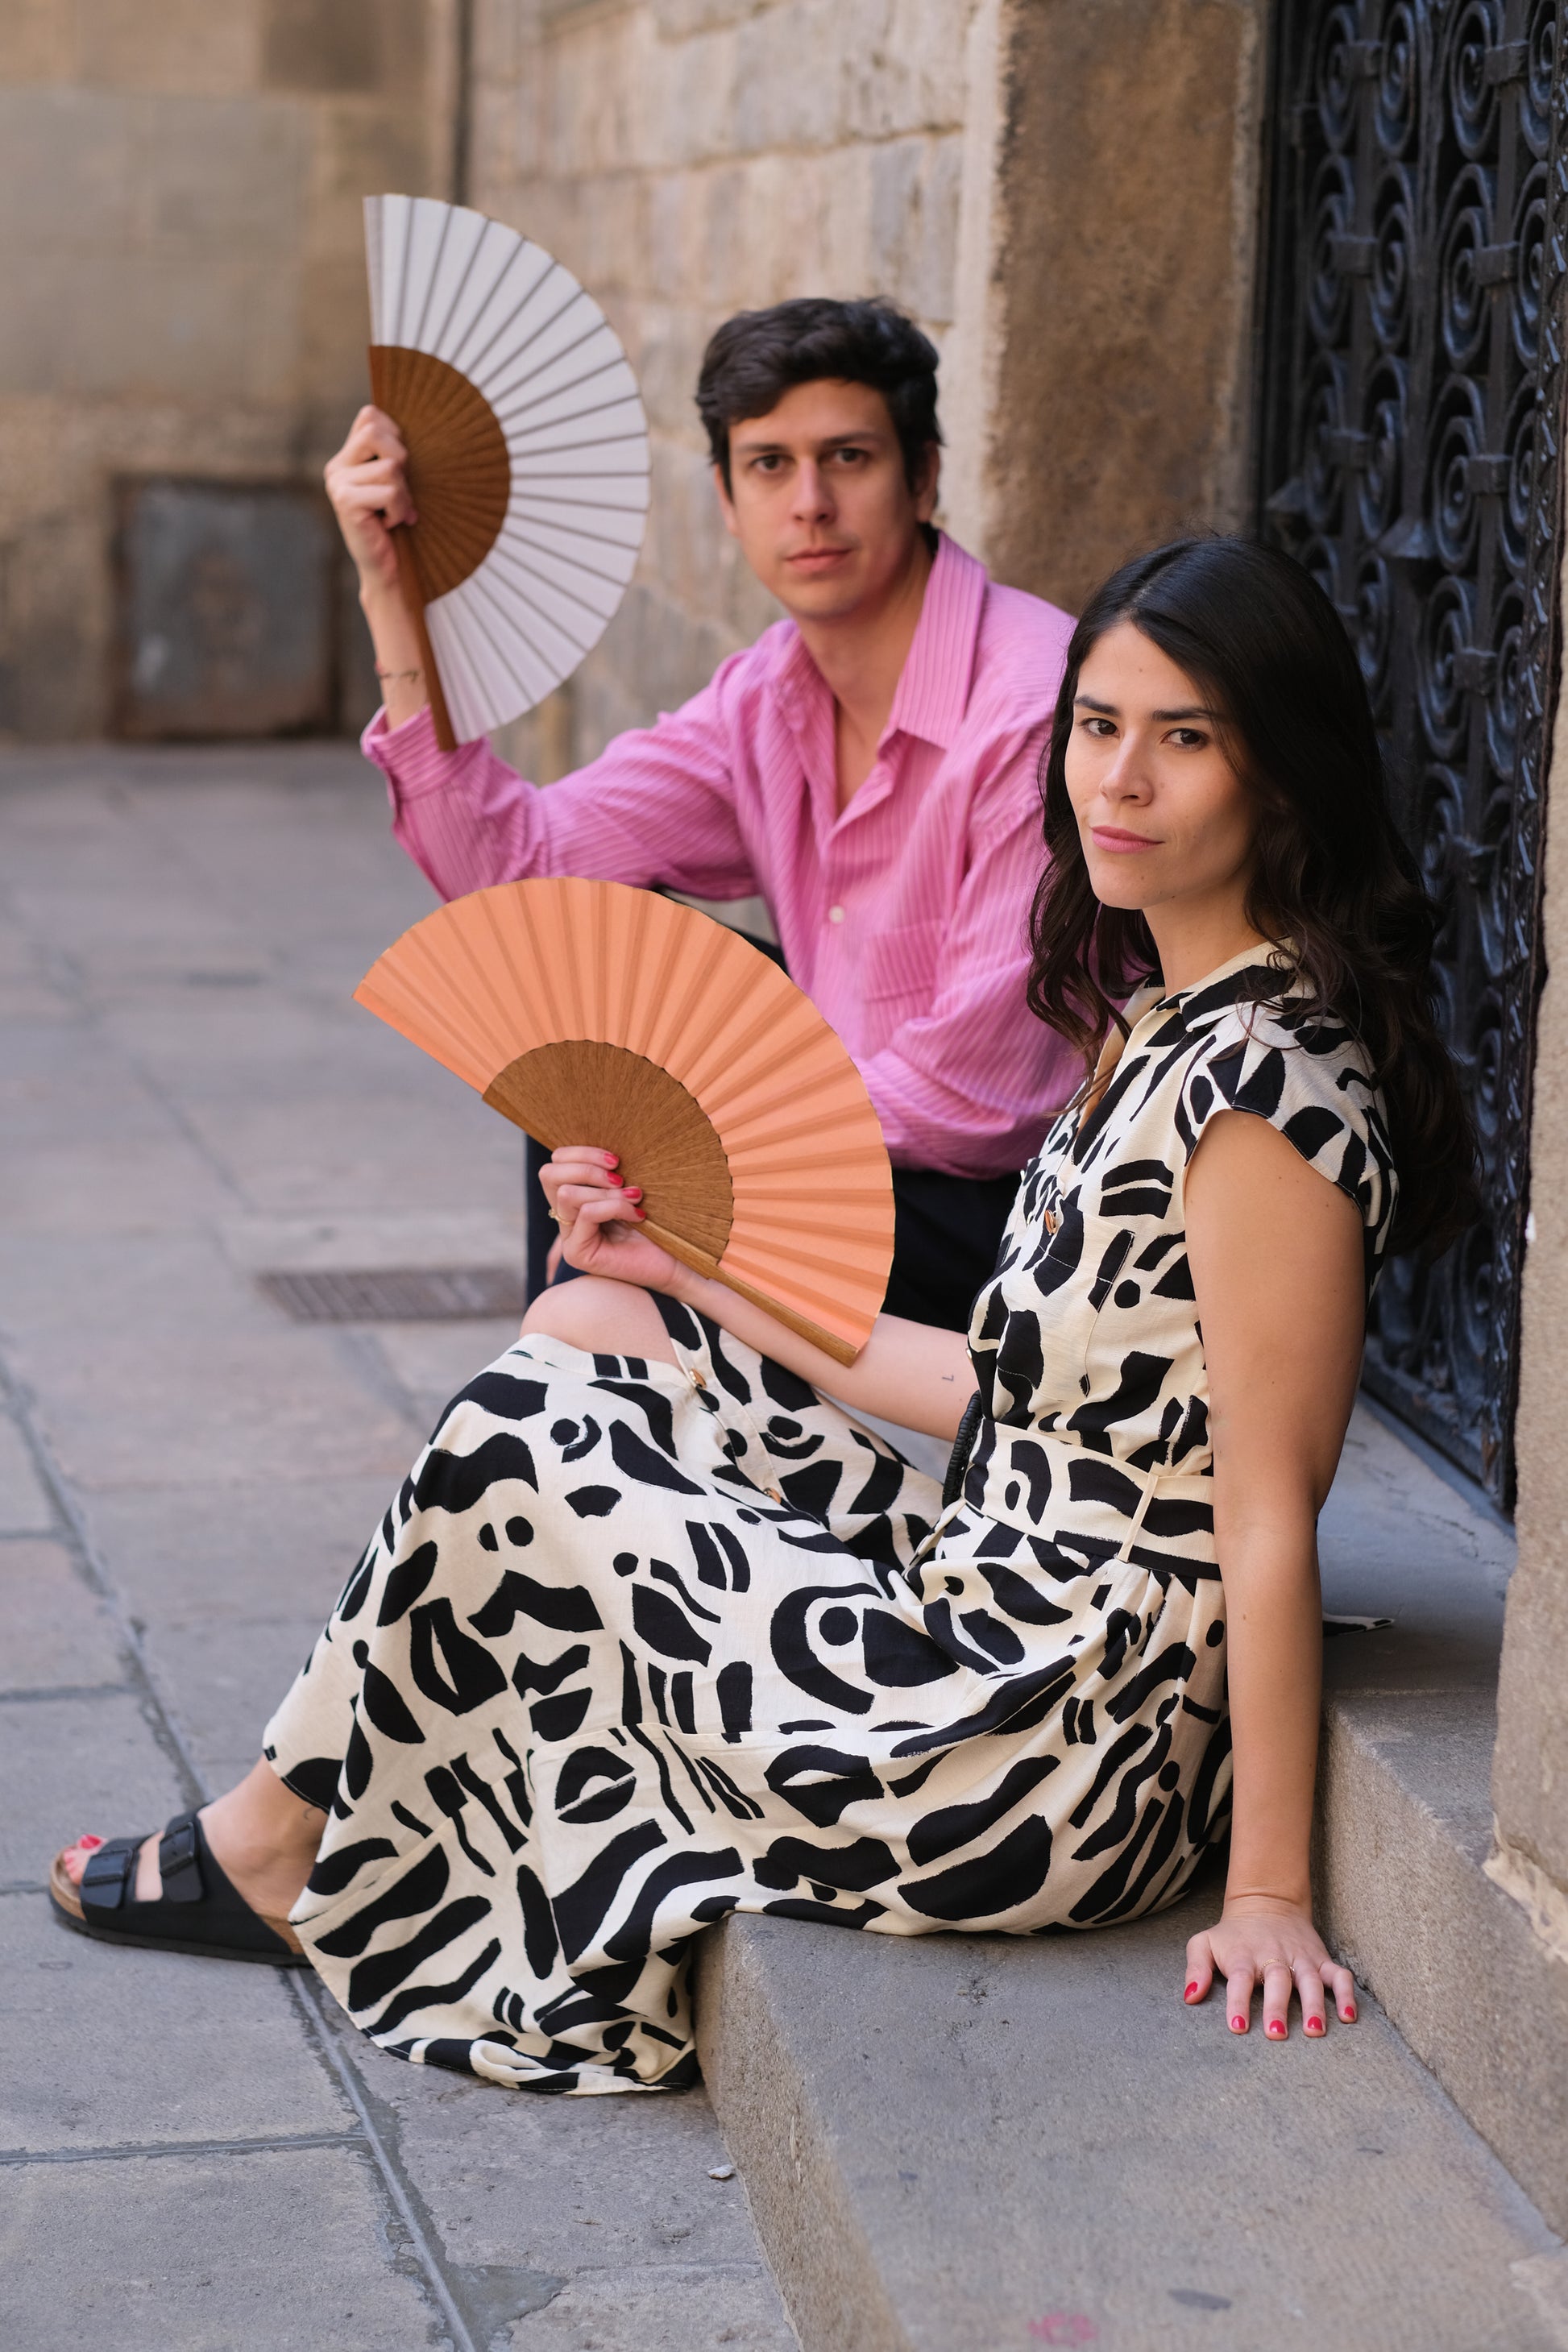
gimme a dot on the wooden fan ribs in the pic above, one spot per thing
(589, 1013)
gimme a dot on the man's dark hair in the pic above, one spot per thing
(759, 356)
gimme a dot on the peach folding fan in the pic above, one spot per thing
(589, 1013)
(527, 456)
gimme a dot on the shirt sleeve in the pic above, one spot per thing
(970, 1086)
(657, 807)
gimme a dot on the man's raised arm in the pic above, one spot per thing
(657, 807)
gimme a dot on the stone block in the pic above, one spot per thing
(36, 42)
(57, 1632)
(149, 329)
(957, 2143)
(284, 2252)
(354, 45)
(67, 171)
(1128, 207)
(181, 46)
(230, 175)
(1530, 1773)
(200, 2049)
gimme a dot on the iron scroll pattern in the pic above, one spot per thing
(1413, 390)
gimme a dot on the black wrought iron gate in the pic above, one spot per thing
(1412, 394)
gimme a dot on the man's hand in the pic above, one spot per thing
(1260, 1939)
(368, 486)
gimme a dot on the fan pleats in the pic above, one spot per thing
(545, 389)
(493, 979)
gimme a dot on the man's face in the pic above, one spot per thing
(819, 502)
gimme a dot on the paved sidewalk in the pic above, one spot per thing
(199, 2156)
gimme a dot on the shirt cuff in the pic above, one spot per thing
(408, 756)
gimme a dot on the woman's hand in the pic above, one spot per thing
(598, 1213)
(368, 486)
(1262, 1940)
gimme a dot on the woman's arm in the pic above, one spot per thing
(907, 1372)
(1276, 1256)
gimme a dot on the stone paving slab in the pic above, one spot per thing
(262, 2252)
(62, 1762)
(103, 2048)
(197, 1098)
(57, 1631)
(25, 1509)
(648, 2254)
(230, 1554)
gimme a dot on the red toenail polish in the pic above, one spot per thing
(1191, 1989)
(1314, 2025)
(1238, 2024)
(1275, 2029)
(94, 1843)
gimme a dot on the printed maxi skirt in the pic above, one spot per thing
(640, 1644)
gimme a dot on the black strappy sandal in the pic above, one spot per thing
(198, 1910)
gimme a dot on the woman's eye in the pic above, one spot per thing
(1097, 727)
(1188, 739)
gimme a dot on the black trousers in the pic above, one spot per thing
(946, 1233)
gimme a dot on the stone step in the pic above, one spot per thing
(979, 2143)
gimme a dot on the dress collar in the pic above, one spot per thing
(1215, 993)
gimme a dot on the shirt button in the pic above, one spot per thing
(835, 914)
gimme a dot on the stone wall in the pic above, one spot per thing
(689, 158)
(1053, 192)
(181, 281)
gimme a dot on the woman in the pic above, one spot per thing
(653, 1630)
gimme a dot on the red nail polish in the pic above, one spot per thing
(611, 1178)
(1349, 2016)
(1238, 2024)
(1191, 1989)
(91, 1842)
(1314, 2025)
(1275, 2030)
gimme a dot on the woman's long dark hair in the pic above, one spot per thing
(1258, 637)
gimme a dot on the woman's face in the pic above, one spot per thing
(1161, 813)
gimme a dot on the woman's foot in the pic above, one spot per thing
(262, 1837)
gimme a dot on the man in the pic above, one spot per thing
(869, 767)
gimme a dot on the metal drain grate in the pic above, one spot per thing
(396, 1294)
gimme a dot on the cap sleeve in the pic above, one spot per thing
(1310, 1080)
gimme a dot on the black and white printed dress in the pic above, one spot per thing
(638, 1644)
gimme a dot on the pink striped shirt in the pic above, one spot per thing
(904, 919)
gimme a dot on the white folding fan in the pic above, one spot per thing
(527, 456)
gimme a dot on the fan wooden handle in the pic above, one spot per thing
(413, 602)
(701, 1263)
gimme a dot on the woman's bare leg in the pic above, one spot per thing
(262, 1836)
(607, 1319)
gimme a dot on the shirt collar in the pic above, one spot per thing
(939, 668)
